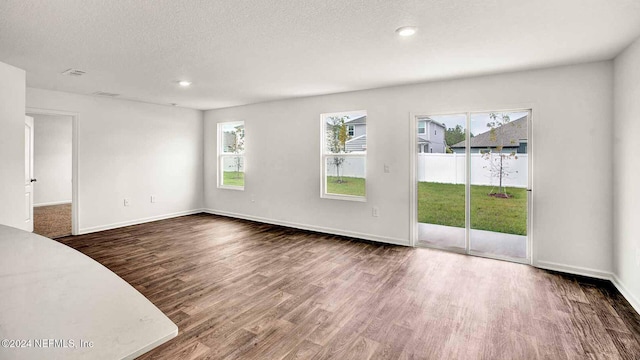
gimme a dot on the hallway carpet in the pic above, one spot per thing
(52, 221)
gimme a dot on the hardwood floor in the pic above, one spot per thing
(244, 290)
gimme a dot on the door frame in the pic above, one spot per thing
(413, 186)
(75, 209)
(28, 180)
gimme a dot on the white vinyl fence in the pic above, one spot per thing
(351, 167)
(450, 169)
(230, 162)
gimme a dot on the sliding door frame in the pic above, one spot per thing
(413, 211)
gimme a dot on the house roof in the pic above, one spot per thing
(512, 133)
(428, 119)
(359, 138)
(356, 144)
(361, 120)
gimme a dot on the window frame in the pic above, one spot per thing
(324, 155)
(221, 155)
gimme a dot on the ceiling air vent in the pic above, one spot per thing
(73, 72)
(102, 93)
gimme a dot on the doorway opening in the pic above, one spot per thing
(472, 192)
(50, 163)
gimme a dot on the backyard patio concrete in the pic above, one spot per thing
(486, 242)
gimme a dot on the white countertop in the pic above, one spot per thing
(54, 296)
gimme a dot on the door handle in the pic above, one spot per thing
(34, 180)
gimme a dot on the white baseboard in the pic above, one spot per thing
(575, 270)
(53, 203)
(598, 274)
(321, 229)
(635, 303)
(548, 265)
(137, 221)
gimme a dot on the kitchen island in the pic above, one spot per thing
(57, 303)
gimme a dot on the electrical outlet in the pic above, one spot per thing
(375, 212)
(153, 198)
(253, 198)
(126, 202)
(386, 168)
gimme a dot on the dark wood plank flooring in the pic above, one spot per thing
(244, 290)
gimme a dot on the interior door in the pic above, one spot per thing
(28, 172)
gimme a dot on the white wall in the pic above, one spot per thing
(626, 173)
(12, 98)
(52, 159)
(131, 150)
(572, 199)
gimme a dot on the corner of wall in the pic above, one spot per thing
(12, 106)
(625, 238)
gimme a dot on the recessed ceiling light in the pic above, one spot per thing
(406, 30)
(184, 83)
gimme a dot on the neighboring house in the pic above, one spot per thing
(431, 136)
(513, 139)
(357, 131)
(229, 139)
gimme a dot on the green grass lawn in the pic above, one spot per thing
(348, 186)
(443, 204)
(233, 178)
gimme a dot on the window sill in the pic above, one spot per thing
(228, 187)
(344, 197)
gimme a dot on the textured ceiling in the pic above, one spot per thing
(239, 52)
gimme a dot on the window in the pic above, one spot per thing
(231, 164)
(344, 155)
(351, 130)
(422, 127)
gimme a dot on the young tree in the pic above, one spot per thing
(337, 137)
(499, 161)
(237, 147)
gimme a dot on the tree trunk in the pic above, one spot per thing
(237, 167)
(501, 173)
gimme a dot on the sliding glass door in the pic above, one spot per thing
(441, 173)
(472, 172)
